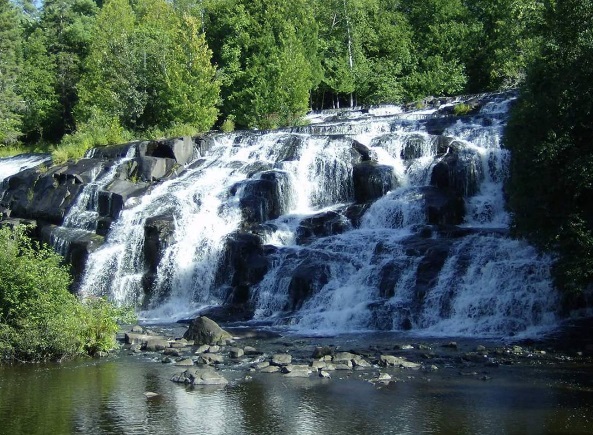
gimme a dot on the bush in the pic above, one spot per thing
(39, 318)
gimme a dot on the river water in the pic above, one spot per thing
(108, 397)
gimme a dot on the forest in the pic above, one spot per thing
(80, 73)
(76, 71)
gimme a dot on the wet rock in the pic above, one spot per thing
(182, 150)
(153, 169)
(450, 345)
(200, 377)
(137, 329)
(316, 365)
(154, 344)
(371, 181)
(321, 351)
(296, 371)
(205, 331)
(262, 199)
(260, 365)
(308, 277)
(203, 348)
(270, 369)
(324, 374)
(281, 359)
(112, 200)
(181, 343)
(459, 172)
(321, 225)
(250, 350)
(214, 349)
(236, 352)
(344, 357)
(185, 362)
(172, 352)
(210, 359)
(394, 361)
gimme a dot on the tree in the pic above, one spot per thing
(441, 36)
(267, 54)
(10, 69)
(68, 29)
(149, 68)
(550, 135)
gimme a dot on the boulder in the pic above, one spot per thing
(153, 169)
(372, 181)
(321, 225)
(158, 235)
(182, 150)
(205, 331)
(281, 359)
(112, 200)
(262, 199)
(155, 344)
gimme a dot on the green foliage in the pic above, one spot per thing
(461, 109)
(550, 135)
(99, 130)
(10, 53)
(150, 69)
(39, 318)
(228, 125)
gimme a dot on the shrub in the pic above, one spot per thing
(39, 318)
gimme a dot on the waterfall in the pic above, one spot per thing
(13, 165)
(386, 220)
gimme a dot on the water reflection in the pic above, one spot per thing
(107, 397)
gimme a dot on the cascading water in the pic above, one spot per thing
(13, 165)
(373, 222)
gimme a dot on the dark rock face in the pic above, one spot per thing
(443, 208)
(262, 199)
(321, 225)
(371, 181)
(77, 245)
(46, 197)
(182, 150)
(243, 265)
(308, 277)
(459, 172)
(112, 200)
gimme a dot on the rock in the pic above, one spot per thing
(371, 181)
(211, 359)
(200, 377)
(270, 369)
(171, 352)
(154, 344)
(260, 365)
(324, 224)
(307, 278)
(360, 364)
(178, 344)
(316, 365)
(344, 357)
(296, 371)
(112, 199)
(138, 329)
(321, 351)
(136, 338)
(249, 350)
(155, 168)
(281, 359)
(390, 360)
(342, 366)
(324, 374)
(236, 352)
(150, 395)
(480, 348)
(451, 345)
(459, 172)
(203, 348)
(214, 349)
(182, 150)
(205, 331)
(185, 362)
(262, 199)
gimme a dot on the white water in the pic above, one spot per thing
(13, 165)
(364, 278)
